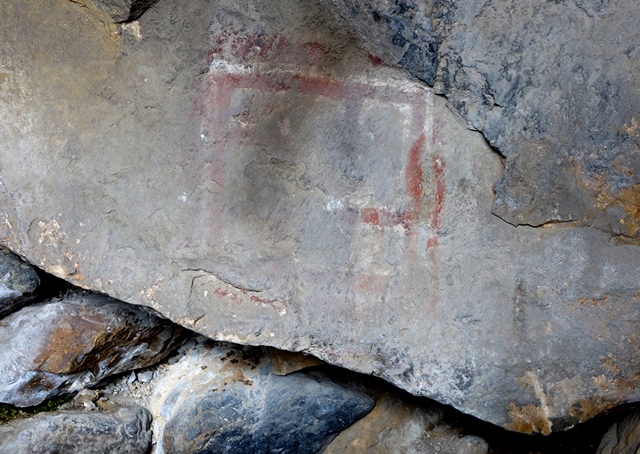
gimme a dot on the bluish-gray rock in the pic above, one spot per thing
(18, 282)
(227, 400)
(124, 430)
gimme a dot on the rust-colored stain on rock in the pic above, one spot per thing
(68, 346)
(586, 409)
(528, 419)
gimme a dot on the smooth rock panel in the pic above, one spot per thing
(120, 431)
(70, 343)
(251, 172)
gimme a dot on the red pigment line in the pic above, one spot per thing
(414, 189)
(220, 293)
(413, 174)
(226, 295)
(375, 60)
(382, 217)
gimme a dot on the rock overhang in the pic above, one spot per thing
(278, 186)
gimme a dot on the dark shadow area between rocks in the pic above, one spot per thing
(581, 439)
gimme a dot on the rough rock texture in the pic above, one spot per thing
(551, 85)
(248, 170)
(121, 431)
(623, 437)
(18, 282)
(398, 426)
(70, 343)
(221, 398)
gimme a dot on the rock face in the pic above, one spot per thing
(252, 173)
(623, 437)
(18, 282)
(122, 431)
(74, 342)
(220, 398)
(553, 86)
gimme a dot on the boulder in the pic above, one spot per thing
(119, 431)
(223, 398)
(255, 174)
(70, 343)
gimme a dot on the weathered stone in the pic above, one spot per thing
(74, 342)
(552, 86)
(18, 282)
(227, 399)
(248, 170)
(122, 431)
(396, 425)
(623, 437)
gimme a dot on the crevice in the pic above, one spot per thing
(244, 288)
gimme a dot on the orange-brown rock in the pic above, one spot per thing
(76, 341)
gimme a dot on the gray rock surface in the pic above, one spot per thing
(18, 282)
(223, 398)
(70, 343)
(120, 431)
(623, 437)
(551, 85)
(251, 172)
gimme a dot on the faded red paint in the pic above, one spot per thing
(370, 216)
(413, 173)
(239, 296)
(382, 217)
(296, 71)
(373, 284)
(375, 60)
(222, 294)
(432, 242)
(261, 301)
